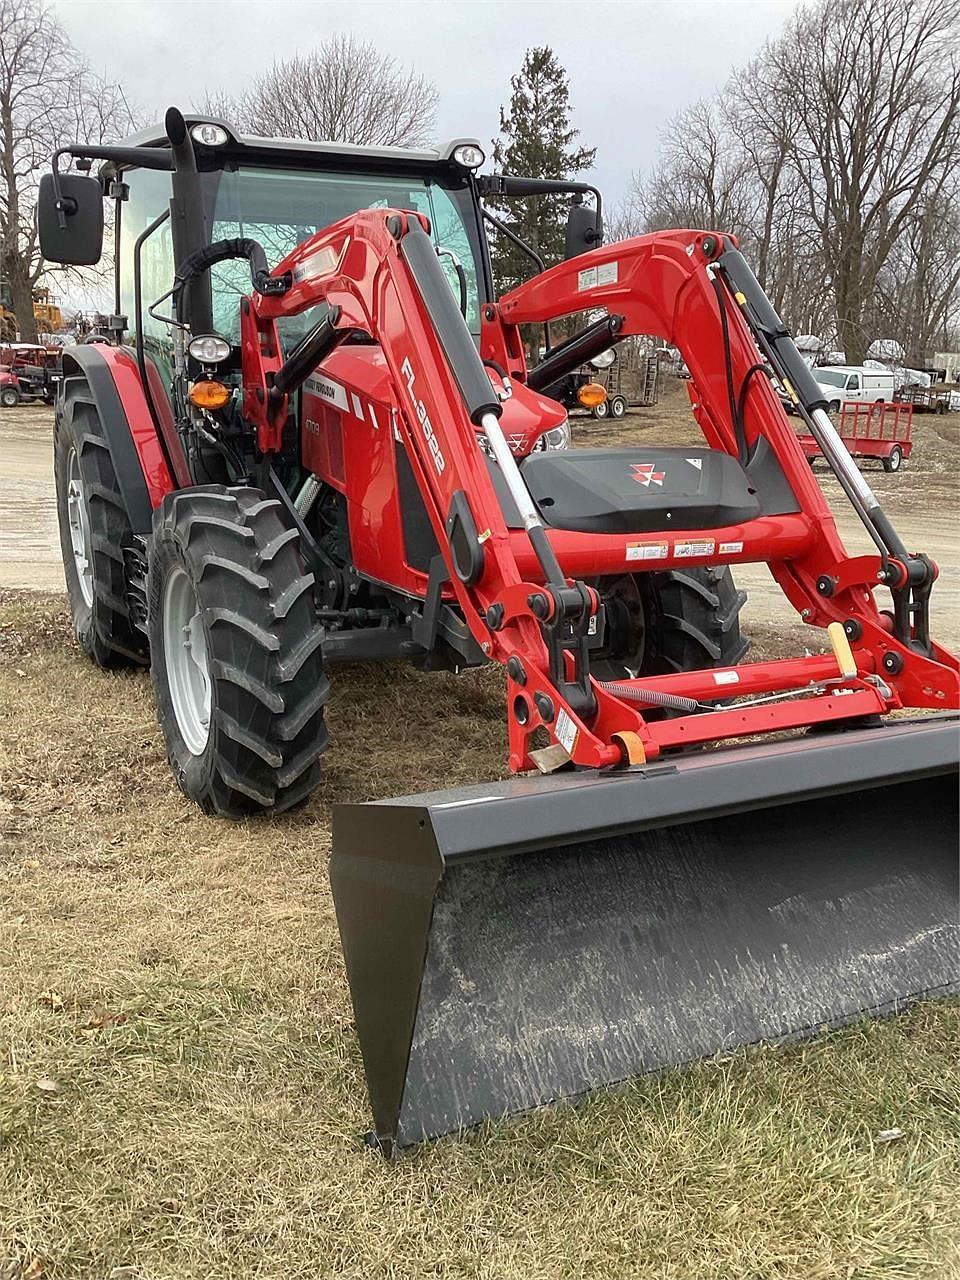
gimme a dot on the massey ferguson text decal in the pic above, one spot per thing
(326, 389)
(423, 417)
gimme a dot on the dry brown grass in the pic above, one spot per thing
(180, 1086)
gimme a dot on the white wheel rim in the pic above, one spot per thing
(79, 520)
(895, 460)
(187, 665)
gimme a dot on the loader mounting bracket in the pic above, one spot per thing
(911, 609)
(566, 631)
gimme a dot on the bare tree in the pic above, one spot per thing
(46, 93)
(917, 298)
(876, 134)
(834, 157)
(700, 181)
(344, 91)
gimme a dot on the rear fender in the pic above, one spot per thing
(114, 381)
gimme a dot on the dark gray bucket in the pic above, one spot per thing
(517, 943)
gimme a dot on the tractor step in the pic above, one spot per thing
(513, 944)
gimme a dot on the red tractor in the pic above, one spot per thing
(315, 438)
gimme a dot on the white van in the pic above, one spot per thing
(840, 383)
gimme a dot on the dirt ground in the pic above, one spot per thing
(29, 544)
(181, 1093)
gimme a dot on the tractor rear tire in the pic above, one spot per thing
(672, 620)
(237, 665)
(94, 529)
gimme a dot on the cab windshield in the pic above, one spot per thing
(830, 378)
(282, 208)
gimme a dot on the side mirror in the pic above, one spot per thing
(79, 242)
(584, 230)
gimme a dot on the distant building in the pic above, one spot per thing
(949, 362)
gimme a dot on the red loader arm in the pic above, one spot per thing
(378, 273)
(379, 268)
(671, 284)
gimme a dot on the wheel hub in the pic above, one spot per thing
(187, 663)
(79, 521)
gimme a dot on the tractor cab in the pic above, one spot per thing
(279, 193)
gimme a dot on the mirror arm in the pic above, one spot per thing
(515, 239)
(506, 186)
(144, 157)
(598, 201)
(62, 206)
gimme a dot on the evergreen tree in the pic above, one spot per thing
(537, 142)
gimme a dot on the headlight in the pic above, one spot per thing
(557, 437)
(209, 348)
(209, 135)
(469, 155)
(604, 359)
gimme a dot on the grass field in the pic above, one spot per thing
(180, 1086)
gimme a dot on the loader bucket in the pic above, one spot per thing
(513, 944)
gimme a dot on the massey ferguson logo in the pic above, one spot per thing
(423, 417)
(644, 474)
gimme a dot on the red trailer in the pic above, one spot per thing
(872, 431)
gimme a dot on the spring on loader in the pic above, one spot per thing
(652, 697)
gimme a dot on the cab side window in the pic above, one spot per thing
(149, 197)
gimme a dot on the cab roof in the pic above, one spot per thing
(427, 157)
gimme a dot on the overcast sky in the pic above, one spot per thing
(632, 63)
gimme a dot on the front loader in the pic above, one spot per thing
(315, 437)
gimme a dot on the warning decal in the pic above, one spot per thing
(647, 550)
(566, 732)
(692, 548)
(593, 277)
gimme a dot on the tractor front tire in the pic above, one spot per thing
(237, 665)
(94, 529)
(9, 397)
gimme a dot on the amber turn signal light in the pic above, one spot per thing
(591, 394)
(208, 394)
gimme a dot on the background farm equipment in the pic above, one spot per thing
(46, 313)
(930, 399)
(880, 431)
(28, 373)
(633, 379)
(344, 455)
